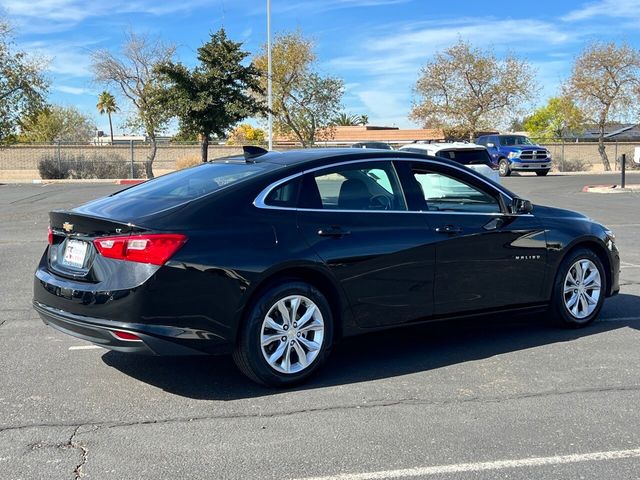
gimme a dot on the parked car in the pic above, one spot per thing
(275, 257)
(470, 155)
(380, 145)
(517, 153)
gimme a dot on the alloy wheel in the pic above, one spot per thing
(582, 288)
(292, 334)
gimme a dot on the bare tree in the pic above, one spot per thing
(470, 90)
(133, 72)
(304, 102)
(602, 82)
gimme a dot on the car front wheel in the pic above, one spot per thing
(503, 168)
(286, 336)
(579, 289)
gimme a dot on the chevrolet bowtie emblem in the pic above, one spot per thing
(67, 227)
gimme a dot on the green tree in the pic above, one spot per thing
(304, 102)
(344, 119)
(133, 72)
(23, 87)
(57, 124)
(219, 92)
(471, 90)
(107, 104)
(603, 81)
(559, 115)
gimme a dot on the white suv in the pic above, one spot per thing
(473, 156)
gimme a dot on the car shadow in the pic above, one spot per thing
(376, 355)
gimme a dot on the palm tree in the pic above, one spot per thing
(363, 120)
(344, 119)
(107, 104)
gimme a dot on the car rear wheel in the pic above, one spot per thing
(542, 173)
(579, 289)
(503, 168)
(286, 336)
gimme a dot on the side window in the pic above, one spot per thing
(285, 195)
(365, 186)
(448, 194)
(482, 141)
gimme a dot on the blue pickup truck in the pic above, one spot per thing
(516, 153)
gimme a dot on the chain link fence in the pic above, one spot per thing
(571, 156)
(59, 160)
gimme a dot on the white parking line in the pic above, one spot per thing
(484, 466)
(84, 347)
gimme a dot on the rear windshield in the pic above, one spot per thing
(194, 182)
(172, 190)
(466, 157)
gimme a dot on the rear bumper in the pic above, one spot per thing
(155, 340)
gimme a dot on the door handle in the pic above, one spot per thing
(449, 229)
(335, 232)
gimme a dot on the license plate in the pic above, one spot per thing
(75, 253)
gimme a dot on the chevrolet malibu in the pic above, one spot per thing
(274, 257)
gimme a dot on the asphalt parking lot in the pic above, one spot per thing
(502, 398)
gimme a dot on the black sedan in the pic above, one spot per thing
(274, 257)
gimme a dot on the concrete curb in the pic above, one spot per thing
(610, 189)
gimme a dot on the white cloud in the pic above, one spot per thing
(66, 58)
(73, 90)
(605, 8)
(48, 16)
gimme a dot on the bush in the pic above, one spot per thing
(188, 161)
(78, 166)
(573, 165)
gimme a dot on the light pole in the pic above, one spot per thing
(269, 97)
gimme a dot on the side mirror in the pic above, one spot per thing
(521, 206)
(491, 145)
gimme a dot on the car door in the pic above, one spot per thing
(355, 217)
(486, 257)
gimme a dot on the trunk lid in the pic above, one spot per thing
(72, 253)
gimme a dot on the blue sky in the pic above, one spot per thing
(376, 46)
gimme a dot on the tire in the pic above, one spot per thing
(503, 168)
(290, 341)
(564, 312)
(542, 173)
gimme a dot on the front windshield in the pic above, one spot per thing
(511, 140)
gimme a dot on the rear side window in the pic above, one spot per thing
(285, 195)
(366, 186)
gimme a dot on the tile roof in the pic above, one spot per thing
(352, 134)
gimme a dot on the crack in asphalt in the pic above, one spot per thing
(369, 405)
(72, 443)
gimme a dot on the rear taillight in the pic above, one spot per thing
(50, 236)
(154, 248)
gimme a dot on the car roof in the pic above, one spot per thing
(320, 156)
